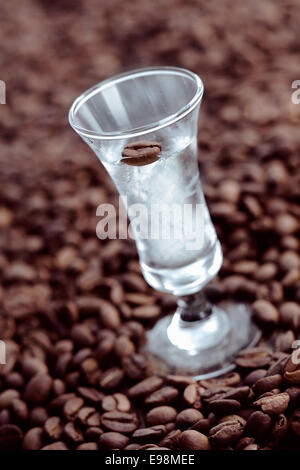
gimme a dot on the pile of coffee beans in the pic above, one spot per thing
(74, 309)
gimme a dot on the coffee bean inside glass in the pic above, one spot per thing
(143, 125)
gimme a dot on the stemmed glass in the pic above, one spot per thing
(142, 125)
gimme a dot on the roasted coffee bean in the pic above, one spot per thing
(33, 439)
(146, 312)
(265, 312)
(59, 445)
(87, 446)
(290, 314)
(38, 416)
(145, 387)
(4, 417)
(59, 387)
(109, 315)
(188, 418)
(91, 395)
(7, 397)
(124, 346)
(111, 378)
(38, 389)
(244, 442)
(162, 396)
(73, 433)
(88, 416)
(295, 422)
(292, 368)
(10, 437)
(284, 341)
(153, 434)
(135, 366)
(60, 401)
(93, 434)
(141, 153)
(254, 376)
(171, 440)
(72, 406)
(53, 428)
(258, 424)
(180, 381)
(119, 421)
(227, 432)
(253, 358)
(193, 440)
(273, 404)
(266, 384)
(32, 366)
(279, 430)
(117, 401)
(204, 424)
(19, 409)
(228, 380)
(113, 440)
(15, 380)
(161, 415)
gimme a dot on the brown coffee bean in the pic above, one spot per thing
(19, 409)
(253, 358)
(278, 431)
(38, 389)
(33, 439)
(224, 406)
(290, 315)
(254, 376)
(153, 434)
(266, 272)
(111, 378)
(230, 379)
(171, 440)
(88, 416)
(292, 368)
(53, 428)
(124, 346)
(59, 387)
(227, 432)
(192, 396)
(274, 404)
(87, 446)
(162, 396)
(193, 440)
(141, 153)
(72, 406)
(91, 395)
(82, 335)
(145, 387)
(204, 424)
(161, 415)
(266, 384)
(38, 416)
(117, 401)
(188, 417)
(286, 224)
(146, 312)
(72, 433)
(258, 424)
(244, 442)
(284, 341)
(109, 315)
(135, 366)
(15, 380)
(113, 440)
(265, 312)
(119, 421)
(32, 366)
(10, 437)
(136, 298)
(59, 445)
(60, 401)
(295, 422)
(277, 367)
(7, 397)
(5, 417)
(180, 381)
(93, 434)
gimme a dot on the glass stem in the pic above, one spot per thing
(193, 307)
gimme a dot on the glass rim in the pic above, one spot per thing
(139, 131)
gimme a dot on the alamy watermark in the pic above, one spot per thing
(2, 352)
(2, 92)
(183, 222)
(295, 97)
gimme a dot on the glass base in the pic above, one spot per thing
(204, 348)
